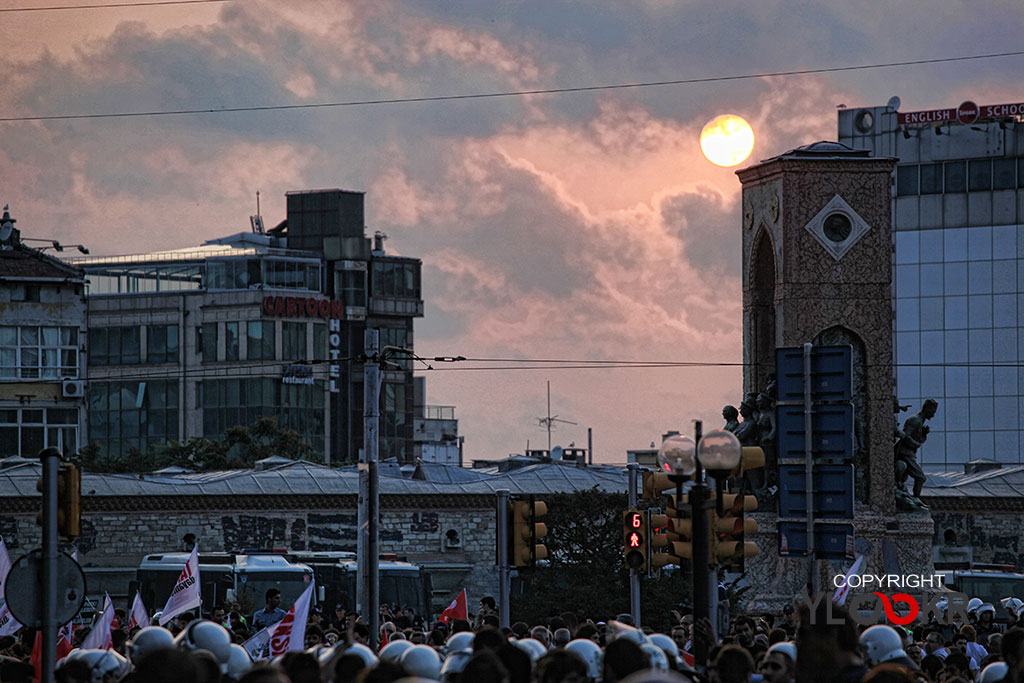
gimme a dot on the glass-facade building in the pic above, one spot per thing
(194, 342)
(958, 275)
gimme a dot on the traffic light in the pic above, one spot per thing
(634, 544)
(729, 547)
(654, 483)
(751, 458)
(69, 501)
(659, 531)
(525, 531)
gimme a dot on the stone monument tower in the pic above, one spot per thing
(817, 245)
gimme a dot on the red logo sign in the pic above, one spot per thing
(967, 112)
(891, 614)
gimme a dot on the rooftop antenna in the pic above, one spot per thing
(257, 220)
(550, 419)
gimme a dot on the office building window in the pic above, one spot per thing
(231, 342)
(209, 335)
(956, 176)
(397, 279)
(906, 180)
(353, 287)
(931, 178)
(1004, 174)
(162, 344)
(32, 352)
(397, 337)
(125, 415)
(115, 346)
(294, 340)
(261, 340)
(228, 403)
(979, 175)
(25, 431)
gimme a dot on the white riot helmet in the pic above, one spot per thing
(994, 672)
(104, 665)
(393, 650)
(656, 656)
(454, 663)
(973, 604)
(422, 661)
(880, 644)
(668, 646)
(204, 634)
(148, 639)
(1012, 605)
(591, 654)
(239, 663)
(459, 641)
(786, 648)
(532, 647)
(366, 653)
(987, 607)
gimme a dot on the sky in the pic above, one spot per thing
(576, 226)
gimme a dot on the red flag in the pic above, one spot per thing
(138, 616)
(64, 641)
(36, 660)
(385, 637)
(459, 609)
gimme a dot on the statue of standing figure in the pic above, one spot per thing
(908, 441)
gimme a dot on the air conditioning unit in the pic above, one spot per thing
(73, 388)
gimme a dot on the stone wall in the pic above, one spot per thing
(118, 538)
(992, 532)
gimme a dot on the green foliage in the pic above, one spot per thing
(586, 572)
(240, 449)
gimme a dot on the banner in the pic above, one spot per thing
(289, 634)
(185, 595)
(8, 624)
(99, 636)
(258, 646)
(137, 616)
(458, 609)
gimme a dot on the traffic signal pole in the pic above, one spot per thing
(503, 540)
(701, 559)
(51, 463)
(368, 565)
(634, 574)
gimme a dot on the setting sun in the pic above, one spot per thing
(727, 140)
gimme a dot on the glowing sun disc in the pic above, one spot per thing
(727, 140)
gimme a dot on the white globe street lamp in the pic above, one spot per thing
(678, 456)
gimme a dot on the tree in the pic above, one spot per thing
(240, 449)
(586, 572)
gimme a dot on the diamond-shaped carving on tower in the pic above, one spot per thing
(837, 227)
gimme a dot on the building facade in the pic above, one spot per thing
(42, 336)
(958, 278)
(268, 323)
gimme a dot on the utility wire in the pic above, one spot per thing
(509, 93)
(54, 8)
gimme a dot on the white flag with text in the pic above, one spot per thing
(185, 595)
(289, 634)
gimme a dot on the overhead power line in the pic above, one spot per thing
(55, 8)
(508, 93)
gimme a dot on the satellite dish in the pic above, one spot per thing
(893, 104)
(556, 453)
(5, 231)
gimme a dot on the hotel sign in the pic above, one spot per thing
(303, 307)
(968, 112)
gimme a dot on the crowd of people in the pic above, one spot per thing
(802, 644)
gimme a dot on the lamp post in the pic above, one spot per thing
(684, 458)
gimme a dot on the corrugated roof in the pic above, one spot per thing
(302, 478)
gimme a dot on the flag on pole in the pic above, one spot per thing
(99, 637)
(36, 658)
(458, 609)
(138, 616)
(839, 597)
(5, 567)
(185, 595)
(289, 634)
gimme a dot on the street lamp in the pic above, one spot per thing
(678, 456)
(719, 452)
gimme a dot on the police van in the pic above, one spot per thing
(223, 578)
